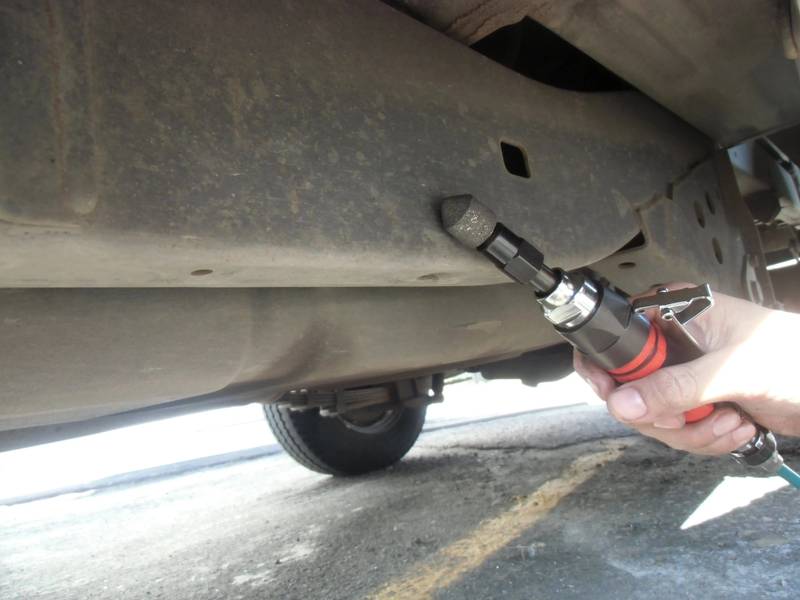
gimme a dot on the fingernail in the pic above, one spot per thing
(725, 424)
(670, 422)
(743, 434)
(627, 404)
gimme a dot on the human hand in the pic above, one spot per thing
(748, 361)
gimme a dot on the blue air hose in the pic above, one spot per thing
(790, 475)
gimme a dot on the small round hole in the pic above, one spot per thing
(717, 250)
(698, 212)
(201, 272)
(627, 265)
(710, 204)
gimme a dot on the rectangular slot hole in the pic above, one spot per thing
(515, 160)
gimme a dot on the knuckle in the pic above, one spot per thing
(700, 438)
(719, 447)
(673, 388)
(729, 444)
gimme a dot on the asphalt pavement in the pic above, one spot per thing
(559, 503)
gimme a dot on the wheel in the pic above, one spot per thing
(366, 440)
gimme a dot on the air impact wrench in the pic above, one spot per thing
(600, 322)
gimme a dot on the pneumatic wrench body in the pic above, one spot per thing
(597, 320)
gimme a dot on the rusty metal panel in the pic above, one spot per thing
(72, 354)
(304, 145)
(729, 68)
(294, 144)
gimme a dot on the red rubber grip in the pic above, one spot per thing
(699, 413)
(650, 359)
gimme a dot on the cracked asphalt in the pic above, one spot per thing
(560, 503)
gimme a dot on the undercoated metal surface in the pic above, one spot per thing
(76, 354)
(255, 145)
(294, 144)
(699, 231)
(84, 353)
(729, 68)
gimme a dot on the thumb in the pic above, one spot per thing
(670, 391)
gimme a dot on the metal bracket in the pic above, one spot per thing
(679, 307)
(416, 392)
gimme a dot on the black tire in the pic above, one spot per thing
(329, 445)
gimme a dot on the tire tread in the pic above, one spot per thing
(326, 445)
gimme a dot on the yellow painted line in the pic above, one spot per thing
(466, 554)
